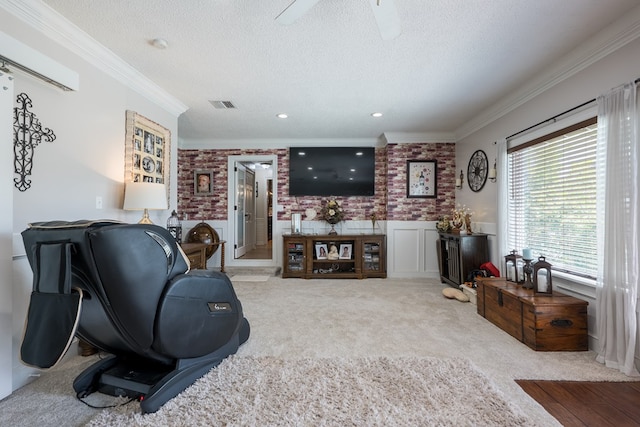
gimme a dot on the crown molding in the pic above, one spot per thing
(269, 143)
(46, 20)
(411, 138)
(612, 38)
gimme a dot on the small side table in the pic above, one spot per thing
(221, 244)
(197, 253)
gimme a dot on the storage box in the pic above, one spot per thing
(471, 293)
(556, 322)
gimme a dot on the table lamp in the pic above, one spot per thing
(144, 196)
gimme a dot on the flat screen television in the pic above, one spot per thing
(332, 171)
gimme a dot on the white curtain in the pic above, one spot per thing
(502, 231)
(618, 228)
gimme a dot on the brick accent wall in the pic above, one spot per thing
(390, 201)
(401, 208)
(209, 207)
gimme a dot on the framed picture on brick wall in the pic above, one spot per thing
(422, 178)
(202, 182)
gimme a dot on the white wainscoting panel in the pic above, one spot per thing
(430, 241)
(405, 249)
(411, 249)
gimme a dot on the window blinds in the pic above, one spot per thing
(552, 198)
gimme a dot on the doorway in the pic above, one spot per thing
(252, 181)
(245, 208)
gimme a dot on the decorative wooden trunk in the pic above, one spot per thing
(544, 323)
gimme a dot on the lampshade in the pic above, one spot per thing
(145, 196)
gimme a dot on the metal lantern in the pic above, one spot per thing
(542, 277)
(175, 226)
(513, 267)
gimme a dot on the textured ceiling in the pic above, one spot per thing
(330, 69)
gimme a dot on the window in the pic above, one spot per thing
(552, 198)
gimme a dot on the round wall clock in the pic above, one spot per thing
(477, 170)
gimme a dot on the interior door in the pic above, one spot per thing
(244, 207)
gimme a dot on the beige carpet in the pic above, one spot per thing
(267, 391)
(249, 278)
(297, 319)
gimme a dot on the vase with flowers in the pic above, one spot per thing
(461, 219)
(332, 213)
(443, 225)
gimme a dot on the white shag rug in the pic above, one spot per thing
(249, 278)
(380, 391)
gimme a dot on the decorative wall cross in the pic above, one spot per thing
(27, 134)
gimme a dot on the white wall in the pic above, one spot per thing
(618, 67)
(621, 66)
(85, 161)
(6, 231)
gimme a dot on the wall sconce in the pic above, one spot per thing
(459, 180)
(144, 196)
(493, 172)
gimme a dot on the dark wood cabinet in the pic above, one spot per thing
(295, 256)
(372, 249)
(358, 256)
(459, 255)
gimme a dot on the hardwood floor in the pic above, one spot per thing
(579, 403)
(260, 252)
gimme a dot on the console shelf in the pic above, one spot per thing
(355, 256)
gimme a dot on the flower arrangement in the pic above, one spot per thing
(444, 224)
(331, 212)
(461, 217)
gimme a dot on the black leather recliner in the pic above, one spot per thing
(163, 325)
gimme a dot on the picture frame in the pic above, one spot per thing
(321, 251)
(147, 150)
(422, 178)
(346, 250)
(202, 182)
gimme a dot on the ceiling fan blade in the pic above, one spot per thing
(387, 18)
(295, 10)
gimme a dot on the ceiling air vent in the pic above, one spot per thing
(222, 105)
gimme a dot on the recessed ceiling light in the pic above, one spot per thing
(282, 116)
(376, 114)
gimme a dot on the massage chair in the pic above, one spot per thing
(127, 290)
